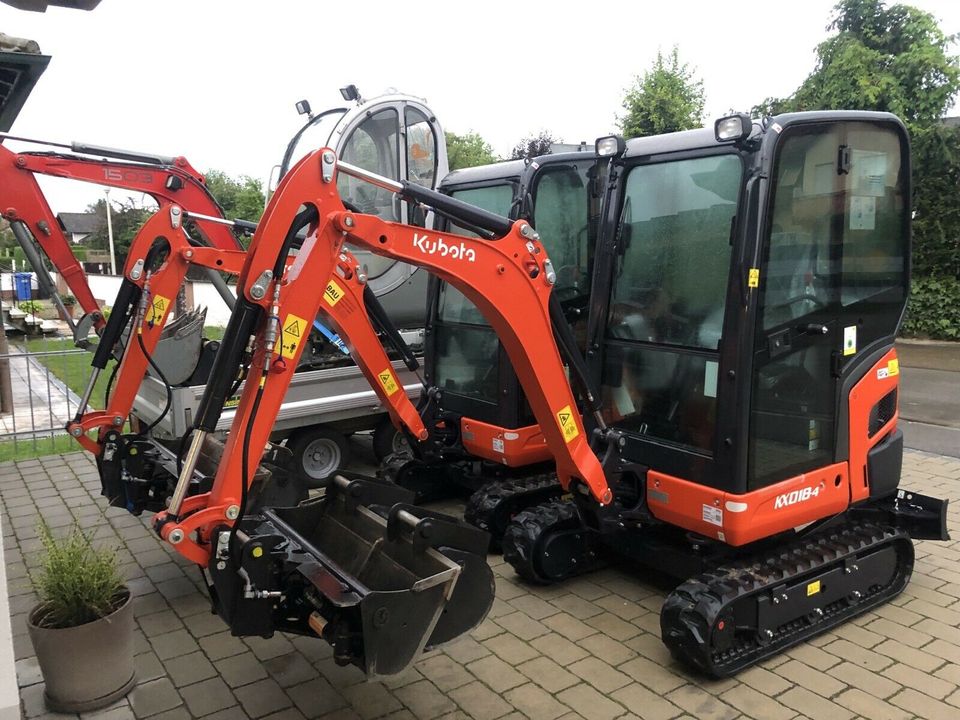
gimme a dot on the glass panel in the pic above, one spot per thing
(466, 360)
(662, 393)
(495, 198)
(373, 145)
(799, 275)
(792, 421)
(562, 217)
(874, 238)
(672, 276)
(837, 241)
(421, 149)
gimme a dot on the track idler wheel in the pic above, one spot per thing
(427, 481)
(548, 543)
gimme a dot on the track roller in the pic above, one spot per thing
(548, 543)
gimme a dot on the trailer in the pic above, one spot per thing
(321, 409)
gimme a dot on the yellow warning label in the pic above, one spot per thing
(333, 294)
(157, 310)
(568, 424)
(294, 331)
(893, 367)
(813, 588)
(387, 380)
(753, 278)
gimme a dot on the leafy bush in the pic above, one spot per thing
(934, 309)
(78, 583)
(31, 306)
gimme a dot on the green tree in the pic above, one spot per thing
(668, 97)
(241, 198)
(892, 58)
(127, 217)
(533, 146)
(897, 59)
(468, 150)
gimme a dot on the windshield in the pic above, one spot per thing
(315, 137)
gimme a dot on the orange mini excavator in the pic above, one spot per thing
(746, 435)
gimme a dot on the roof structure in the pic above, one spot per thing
(80, 223)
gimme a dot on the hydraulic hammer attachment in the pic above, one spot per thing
(376, 577)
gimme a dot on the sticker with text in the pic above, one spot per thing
(294, 329)
(387, 380)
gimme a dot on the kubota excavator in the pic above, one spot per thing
(747, 288)
(804, 535)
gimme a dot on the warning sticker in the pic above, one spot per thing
(893, 368)
(497, 445)
(713, 515)
(813, 588)
(333, 293)
(158, 309)
(387, 380)
(753, 278)
(850, 340)
(568, 424)
(294, 331)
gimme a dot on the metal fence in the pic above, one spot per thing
(45, 375)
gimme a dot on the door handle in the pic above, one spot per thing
(813, 329)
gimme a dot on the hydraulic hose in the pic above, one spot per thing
(383, 323)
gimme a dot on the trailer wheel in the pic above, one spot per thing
(387, 440)
(318, 452)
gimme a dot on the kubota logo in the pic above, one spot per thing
(424, 244)
(792, 498)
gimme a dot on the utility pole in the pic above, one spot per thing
(113, 261)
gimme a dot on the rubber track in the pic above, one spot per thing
(485, 508)
(522, 539)
(690, 612)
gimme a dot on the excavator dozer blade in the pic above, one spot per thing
(379, 579)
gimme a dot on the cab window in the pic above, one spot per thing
(373, 146)
(668, 300)
(421, 148)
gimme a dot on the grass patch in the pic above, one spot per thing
(27, 448)
(73, 369)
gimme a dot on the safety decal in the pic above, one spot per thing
(753, 278)
(850, 340)
(568, 424)
(813, 588)
(333, 293)
(892, 369)
(498, 445)
(294, 330)
(158, 309)
(386, 379)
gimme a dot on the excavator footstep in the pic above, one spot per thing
(376, 577)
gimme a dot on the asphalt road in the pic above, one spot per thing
(930, 396)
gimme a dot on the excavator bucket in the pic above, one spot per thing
(178, 351)
(376, 577)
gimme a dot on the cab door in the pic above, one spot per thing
(832, 288)
(400, 140)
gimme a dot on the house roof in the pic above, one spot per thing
(82, 223)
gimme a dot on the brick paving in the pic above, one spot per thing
(589, 648)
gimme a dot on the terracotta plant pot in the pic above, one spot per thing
(87, 666)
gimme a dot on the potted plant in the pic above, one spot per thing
(82, 628)
(69, 302)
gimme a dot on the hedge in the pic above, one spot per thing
(934, 309)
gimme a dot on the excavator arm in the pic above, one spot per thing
(509, 280)
(360, 567)
(171, 180)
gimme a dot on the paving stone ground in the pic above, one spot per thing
(589, 648)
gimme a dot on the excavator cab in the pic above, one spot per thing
(479, 393)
